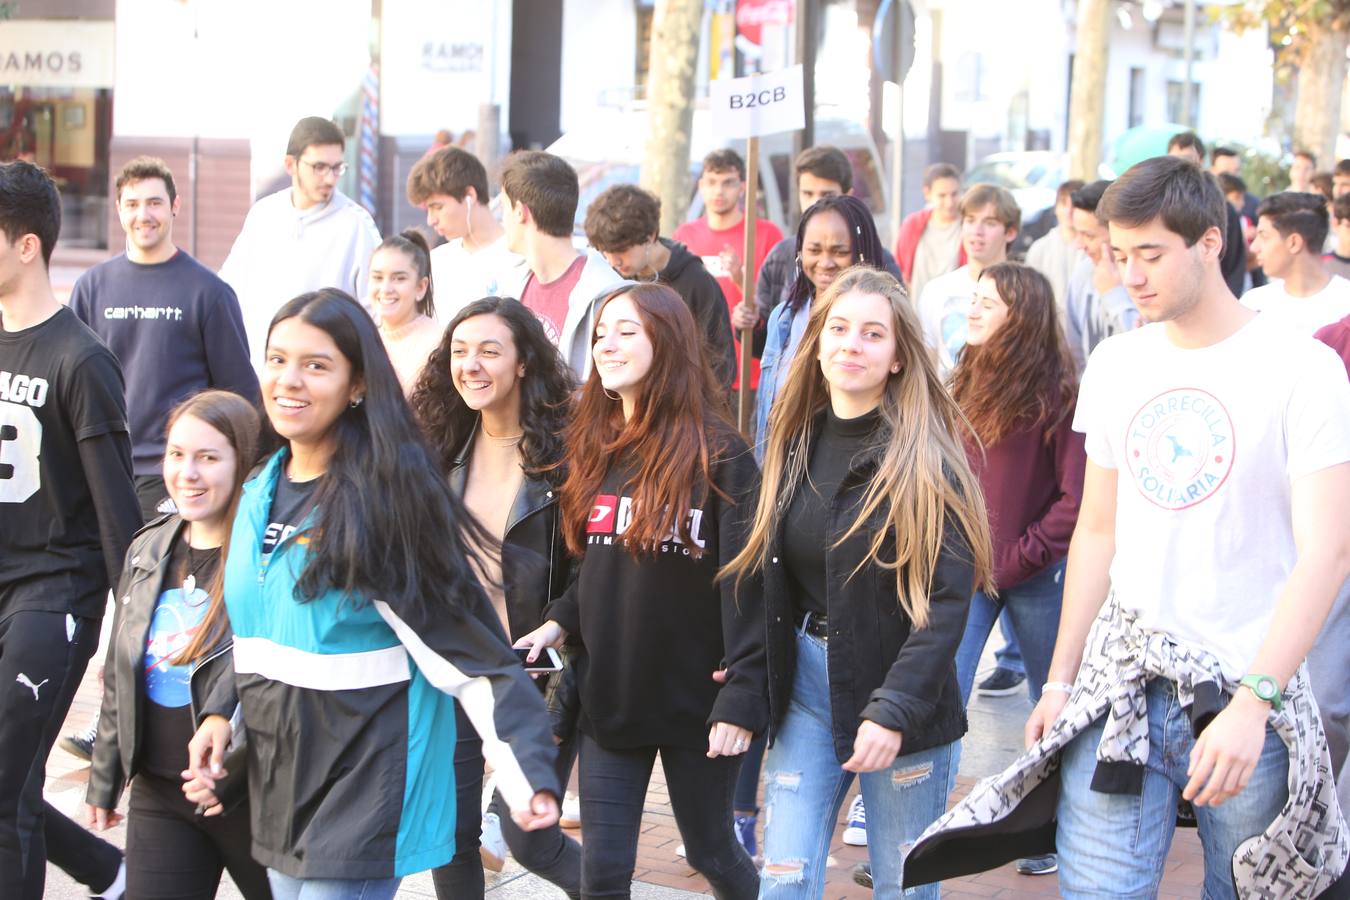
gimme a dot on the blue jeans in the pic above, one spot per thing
(1009, 656)
(284, 887)
(805, 787)
(1115, 845)
(1033, 607)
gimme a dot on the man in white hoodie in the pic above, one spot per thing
(301, 238)
(539, 194)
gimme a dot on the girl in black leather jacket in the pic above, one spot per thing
(494, 398)
(170, 644)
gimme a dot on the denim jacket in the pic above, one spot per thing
(778, 351)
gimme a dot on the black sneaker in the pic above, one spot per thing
(862, 875)
(1038, 865)
(1000, 683)
(80, 743)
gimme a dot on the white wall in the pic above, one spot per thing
(599, 54)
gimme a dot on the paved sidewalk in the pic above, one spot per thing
(994, 740)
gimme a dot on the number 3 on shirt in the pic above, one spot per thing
(20, 440)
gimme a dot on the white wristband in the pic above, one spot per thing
(1061, 686)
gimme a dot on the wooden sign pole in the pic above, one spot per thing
(744, 402)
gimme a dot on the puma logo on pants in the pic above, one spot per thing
(24, 680)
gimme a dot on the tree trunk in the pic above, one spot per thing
(1087, 95)
(1317, 118)
(670, 106)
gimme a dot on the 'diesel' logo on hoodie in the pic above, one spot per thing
(611, 516)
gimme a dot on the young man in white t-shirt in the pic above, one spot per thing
(1214, 439)
(474, 262)
(1290, 231)
(990, 218)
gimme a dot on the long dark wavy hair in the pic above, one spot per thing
(676, 433)
(862, 231)
(546, 391)
(388, 524)
(1023, 376)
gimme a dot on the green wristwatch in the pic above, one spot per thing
(1265, 688)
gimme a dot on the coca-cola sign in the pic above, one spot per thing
(753, 15)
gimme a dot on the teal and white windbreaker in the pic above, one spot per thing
(348, 706)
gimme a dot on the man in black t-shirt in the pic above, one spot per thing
(67, 513)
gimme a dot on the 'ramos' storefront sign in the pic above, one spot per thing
(56, 53)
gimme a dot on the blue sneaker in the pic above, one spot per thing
(855, 831)
(745, 833)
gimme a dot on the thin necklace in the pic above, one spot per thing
(501, 438)
(194, 569)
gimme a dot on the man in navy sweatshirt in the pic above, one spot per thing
(173, 324)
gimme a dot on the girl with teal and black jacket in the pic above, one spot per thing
(356, 617)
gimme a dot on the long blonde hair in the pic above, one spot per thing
(922, 476)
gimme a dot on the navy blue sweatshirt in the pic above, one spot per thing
(176, 329)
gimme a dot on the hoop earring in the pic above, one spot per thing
(615, 397)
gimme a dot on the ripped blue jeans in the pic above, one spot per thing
(804, 788)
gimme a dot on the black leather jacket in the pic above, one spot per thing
(117, 747)
(535, 565)
(880, 667)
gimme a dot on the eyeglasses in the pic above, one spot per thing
(322, 169)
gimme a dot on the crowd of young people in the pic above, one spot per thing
(311, 665)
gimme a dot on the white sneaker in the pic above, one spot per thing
(491, 845)
(571, 811)
(679, 851)
(855, 832)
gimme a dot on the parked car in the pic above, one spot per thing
(608, 147)
(1032, 176)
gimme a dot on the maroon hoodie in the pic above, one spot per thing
(1032, 489)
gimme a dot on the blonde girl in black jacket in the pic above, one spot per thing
(871, 535)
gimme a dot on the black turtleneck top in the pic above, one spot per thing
(806, 532)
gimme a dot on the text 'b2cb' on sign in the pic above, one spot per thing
(758, 104)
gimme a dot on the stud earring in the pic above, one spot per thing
(355, 403)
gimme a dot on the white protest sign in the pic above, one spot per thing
(758, 104)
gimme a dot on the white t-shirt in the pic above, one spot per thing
(943, 308)
(459, 277)
(1206, 443)
(1303, 314)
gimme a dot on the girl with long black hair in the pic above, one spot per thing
(870, 540)
(170, 646)
(658, 490)
(356, 615)
(834, 233)
(494, 400)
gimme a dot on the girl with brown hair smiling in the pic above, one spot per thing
(659, 488)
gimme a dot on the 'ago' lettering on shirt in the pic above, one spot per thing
(611, 516)
(23, 389)
(1180, 447)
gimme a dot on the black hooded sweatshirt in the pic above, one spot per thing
(686, 274)
(656, 628)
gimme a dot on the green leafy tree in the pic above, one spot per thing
(1310, 38)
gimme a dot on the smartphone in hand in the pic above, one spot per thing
(548, 661)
